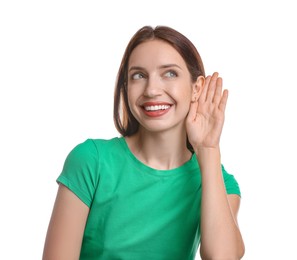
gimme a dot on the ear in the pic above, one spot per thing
(197, 88)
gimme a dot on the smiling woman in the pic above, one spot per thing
(160, 190)
(160, 89)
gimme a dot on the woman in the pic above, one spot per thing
(158, 191)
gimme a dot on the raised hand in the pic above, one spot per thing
(206, 116)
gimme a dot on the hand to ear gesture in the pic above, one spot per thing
(206, 116)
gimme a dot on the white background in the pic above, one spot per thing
(58, 64)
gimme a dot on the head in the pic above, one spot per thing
(125, 122)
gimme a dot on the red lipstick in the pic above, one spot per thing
(156, 109)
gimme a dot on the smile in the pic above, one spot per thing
(156, 107)
(151, 109)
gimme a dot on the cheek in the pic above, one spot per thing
(130, 102)
(133, 96)
(134, 90)
(185, 98)
(130, 95)
(184, 94)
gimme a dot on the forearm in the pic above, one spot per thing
(220, 236)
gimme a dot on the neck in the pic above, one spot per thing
(162, 151)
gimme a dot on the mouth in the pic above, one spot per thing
(156, 109)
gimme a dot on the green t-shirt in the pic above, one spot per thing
(136, 212)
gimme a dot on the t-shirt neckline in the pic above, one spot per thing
(188, 166)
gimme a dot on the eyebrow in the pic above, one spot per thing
(160, 67)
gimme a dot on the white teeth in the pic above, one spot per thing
(157, 107)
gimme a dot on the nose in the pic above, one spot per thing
(153, 87)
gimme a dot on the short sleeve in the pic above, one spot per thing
(80, 171)
(231, 184)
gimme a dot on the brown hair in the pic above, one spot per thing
(124, 121)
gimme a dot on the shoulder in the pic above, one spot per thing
(90, 148)
(106, 147)
(105, 143)
(81, 171)
(82, 152)
(88, 154)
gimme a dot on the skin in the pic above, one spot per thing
(66, 227)
(220, 234)
(157, 74)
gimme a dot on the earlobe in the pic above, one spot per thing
(194, 97)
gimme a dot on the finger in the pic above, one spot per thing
(218, 91)
(202, 97)
(193, 110)
(212, 87)
(223, 102)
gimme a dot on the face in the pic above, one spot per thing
(160, 89)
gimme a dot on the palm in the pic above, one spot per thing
(206, 116)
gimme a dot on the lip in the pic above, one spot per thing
(156, 113)
(155, 103)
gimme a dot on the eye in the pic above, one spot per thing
(137, 75)
(170, 74)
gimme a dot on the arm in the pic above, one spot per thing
(220, 235)
(66, 227)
